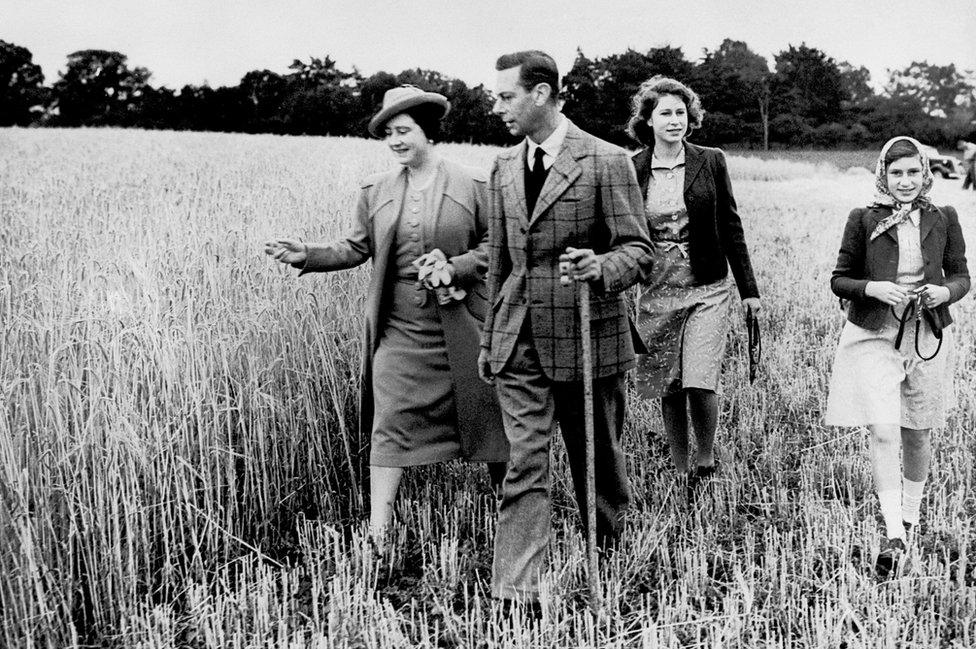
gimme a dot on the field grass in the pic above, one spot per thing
(181, 467)
(841, 159)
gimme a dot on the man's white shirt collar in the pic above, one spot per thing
(551, 145)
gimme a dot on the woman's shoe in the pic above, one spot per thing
(889, 556)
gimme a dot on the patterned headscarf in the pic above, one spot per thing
(883, 196)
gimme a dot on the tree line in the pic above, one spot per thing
(806, 98)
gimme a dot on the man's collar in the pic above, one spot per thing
(552, 144)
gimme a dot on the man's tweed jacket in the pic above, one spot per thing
(590, 200)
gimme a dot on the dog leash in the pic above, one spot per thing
(755, 344)
(914, 309)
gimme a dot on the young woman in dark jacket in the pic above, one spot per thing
(902, 261)
(683, 312)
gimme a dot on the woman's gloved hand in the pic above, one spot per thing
(436, 273)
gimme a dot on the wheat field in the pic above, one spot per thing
(180, 464)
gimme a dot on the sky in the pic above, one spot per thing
(218, 41)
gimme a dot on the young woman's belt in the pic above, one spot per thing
(666, 246)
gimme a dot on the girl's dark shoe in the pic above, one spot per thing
(706, 472)
(699, 477)
(889, 556)
(530, 610)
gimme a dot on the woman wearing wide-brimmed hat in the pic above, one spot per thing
(902, 262)
(425, 227)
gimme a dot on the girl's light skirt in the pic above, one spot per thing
(874, 383)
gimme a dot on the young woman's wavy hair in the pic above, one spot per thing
(644, 102)
(898, 150)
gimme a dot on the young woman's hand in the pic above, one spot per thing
(887, 292)
(932, 295)
(287, 251)
(751, 304)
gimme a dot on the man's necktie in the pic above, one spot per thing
(536, 179)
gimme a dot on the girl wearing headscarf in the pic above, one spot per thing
(424, 225)
(902, 262)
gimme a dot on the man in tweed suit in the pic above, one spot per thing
(560, 195)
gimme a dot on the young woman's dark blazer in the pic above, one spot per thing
(714, 227)
(861, 261)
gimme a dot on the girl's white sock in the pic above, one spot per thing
(911, 500)
(890, 501)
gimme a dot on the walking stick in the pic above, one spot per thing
(593, 573)
(592, 569)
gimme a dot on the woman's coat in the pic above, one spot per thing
(461, 233)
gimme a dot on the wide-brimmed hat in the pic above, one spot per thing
(396, 100)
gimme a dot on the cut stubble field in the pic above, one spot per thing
(842, 159)
(181, 465)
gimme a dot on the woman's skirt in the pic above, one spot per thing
(873, 383)
(414, 419)
(684, 328)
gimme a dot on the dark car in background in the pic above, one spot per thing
(946, 166)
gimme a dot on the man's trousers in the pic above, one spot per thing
(531, 405)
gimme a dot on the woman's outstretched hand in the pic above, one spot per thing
(887, 292)
(287, 251)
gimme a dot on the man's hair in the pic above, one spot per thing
(645, 101)
(537, 67)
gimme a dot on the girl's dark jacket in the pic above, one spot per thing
(714, 227)
(861, 261)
